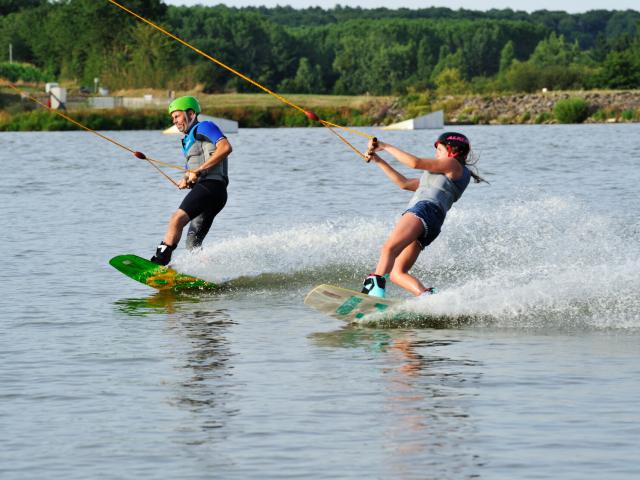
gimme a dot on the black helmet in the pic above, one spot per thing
(457, 140)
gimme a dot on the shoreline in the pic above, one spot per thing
(255, 111)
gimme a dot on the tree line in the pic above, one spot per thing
(336, 51)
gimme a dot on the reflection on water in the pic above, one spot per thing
(426, 393)
(204, 370)
(352, 337)
(200, 353)
(161, 302)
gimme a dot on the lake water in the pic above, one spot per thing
(535, 374)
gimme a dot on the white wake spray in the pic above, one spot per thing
(524, 262)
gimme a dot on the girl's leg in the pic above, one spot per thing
(407, 231)
(400, 272)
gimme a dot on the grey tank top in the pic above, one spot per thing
(437, 188)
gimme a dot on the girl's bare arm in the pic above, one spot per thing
(395, 176)
(449, 166)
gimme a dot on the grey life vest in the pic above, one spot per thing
(198, 145)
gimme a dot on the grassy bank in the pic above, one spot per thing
(120, 119)
(123, 119)
(249, 110)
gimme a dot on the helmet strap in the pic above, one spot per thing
(191, 121)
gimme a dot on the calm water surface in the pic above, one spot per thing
(534, 373)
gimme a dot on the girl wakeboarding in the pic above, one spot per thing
(444, 180)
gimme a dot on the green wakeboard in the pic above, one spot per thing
(345, 304)
(157, 276)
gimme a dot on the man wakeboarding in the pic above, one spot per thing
(206, 151)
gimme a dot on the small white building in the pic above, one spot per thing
(58, 97)
(434, 120)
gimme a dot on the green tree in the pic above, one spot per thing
(349, 64)
(450, 82)
(424, 63)
(244, 41)
(507, 56)
(341, 50)
(554, 51)
(481, 49)
(391, 68)
(447, 60)
(621, 70)
(77, 39)
(622, 23)
(150, 59)
(10, 6)
(523, 77)
(308, 79)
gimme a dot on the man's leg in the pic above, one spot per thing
(198, 229)
(174, 231)
(213, 203)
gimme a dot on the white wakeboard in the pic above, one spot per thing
(346, 304)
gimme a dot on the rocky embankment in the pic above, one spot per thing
(604, 106)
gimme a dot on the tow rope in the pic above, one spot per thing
(308, 113)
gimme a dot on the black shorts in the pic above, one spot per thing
(207, 196)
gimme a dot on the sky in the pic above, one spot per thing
(571, 6)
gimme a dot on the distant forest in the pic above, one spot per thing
(342, 50)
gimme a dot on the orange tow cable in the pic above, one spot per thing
(309, 114)
(154, 163)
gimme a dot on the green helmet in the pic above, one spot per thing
(184, 103)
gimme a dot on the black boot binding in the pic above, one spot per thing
(163, 254)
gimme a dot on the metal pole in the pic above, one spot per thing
(11, 53)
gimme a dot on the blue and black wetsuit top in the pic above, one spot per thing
(199, 144)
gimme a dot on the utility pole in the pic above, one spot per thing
(11, 53)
